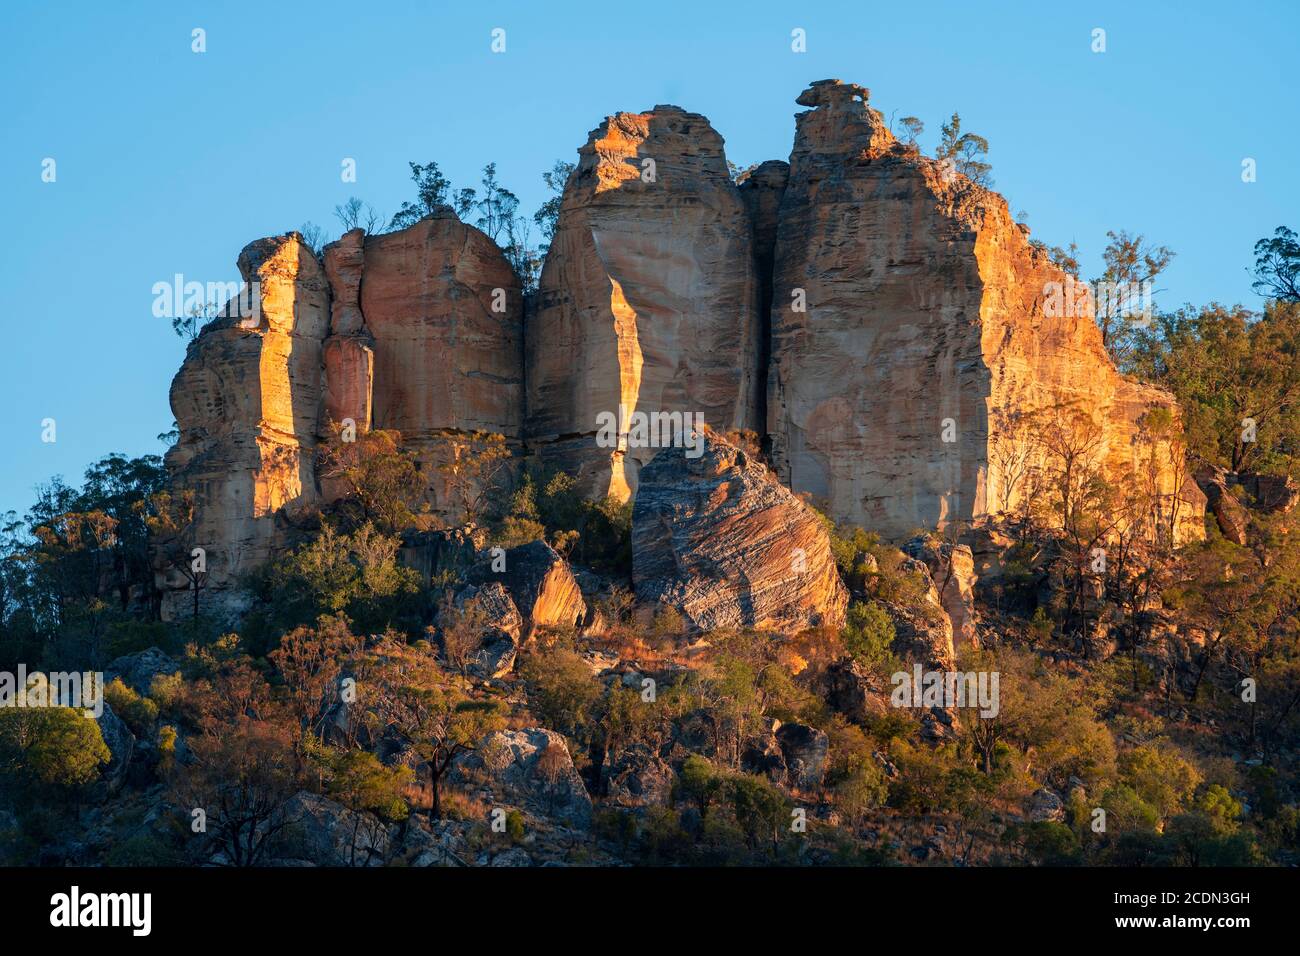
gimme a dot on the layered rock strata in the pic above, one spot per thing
(720, 540)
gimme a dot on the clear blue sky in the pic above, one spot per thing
(170, 161)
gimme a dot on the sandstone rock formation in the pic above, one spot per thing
(502, 627)
(805, 749)
(332, 835)
(1230, 514)
(418, 330)
(923, 630)
(539, 582)
(247, 401)
(444, 311)
(721, 540)
(952, 569)
(638, 778)
(883, 322)
(915, 335)
(648, 299)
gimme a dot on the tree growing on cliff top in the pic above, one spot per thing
(1124, 291)
(549, 215)
(431, 188)
(354, 214)
(966, 151)
(912, 129)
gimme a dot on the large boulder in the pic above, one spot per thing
(721, 540)
(1229, 513)
(492, 608)
(328, 834)
(850, 689)
(121, 746)
(639, 777)
(922, 628)
(540, 583)
(138, 670)
(648, 300)
(433, 553)
(805, 749)
(530, 769)
(952, 569)
(1271, 492)
(916, 335)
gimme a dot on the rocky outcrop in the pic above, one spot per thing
(952, 569)
(418, 331)
(922, 628)
(530, 769)
(121, 745)
(433, 553)
(917, 344)
(805, 749)
(1271, 492)
(719, 539)
(1229, 513)
(648, 301)
(445, 312)
(247, 401)
(501, 629)
(852, 690)
(540, 583)
(638, 778)
(325, 833)
(900, 344)
(138, 670)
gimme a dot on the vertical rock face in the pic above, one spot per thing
(246, 402)
(926, 327)
(719, 539)
(418, 330)
(441, 313)
(648, 298)
(349, 352)
(880, 317)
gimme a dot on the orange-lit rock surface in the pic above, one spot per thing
(246, 401)
(879, 319)
(648, 297)
(422, 334)
(445, 313)
(925, 314)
